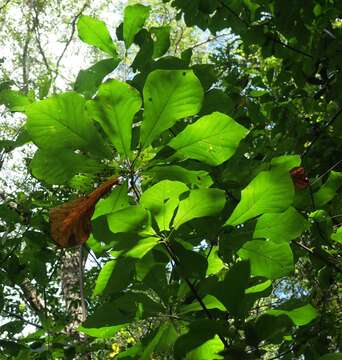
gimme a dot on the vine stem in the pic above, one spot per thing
(175, 259)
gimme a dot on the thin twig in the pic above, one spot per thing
(73, 29)
(10, 314)
(325, 172)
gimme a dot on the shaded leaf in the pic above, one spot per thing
(162, 200)
(89, 80)
(57, 167)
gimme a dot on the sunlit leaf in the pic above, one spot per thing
(268, 259)
(94, 32)
(115, 105)
(134, 19)
(169, 95)
(270, 191)
(212, 139)
(199, 203)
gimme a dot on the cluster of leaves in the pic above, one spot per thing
(207, 219)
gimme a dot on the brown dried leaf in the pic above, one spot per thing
(70, 222)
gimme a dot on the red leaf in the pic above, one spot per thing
(299, 178)
(70, 222)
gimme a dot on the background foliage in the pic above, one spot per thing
(222, 120)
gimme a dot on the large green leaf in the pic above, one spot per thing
(209, 350)
(212, 139)
(115, 105)
(88, 80)
(199, 203)
(94, 32)
(200, 331)
(134, 19)
(57, 167)
(300, 316)
(169, 95)
(61, 122)
(267, 258)
(114, 277)
(162, 199)
(209, 301)
(328, 191)
(197, 178)
(117, 199)
(269, 192)
(129, 219)
(280, 227)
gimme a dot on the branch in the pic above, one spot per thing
(174, 257)
(273, 38)
(73, 29)
(4, 5)
(330, 122)
(10, 314)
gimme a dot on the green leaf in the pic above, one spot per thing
(115, 105)
(212, 139)
(209, 301)
(199, 203)
(281, 227)
(134, 19)
(199, 333)
(162, 40)
(105, 332)
(197, 178)
(259, 287)
(117, 200)
(328, 191)
(235, 281)
(89, 80)
(169, 95)
(337, 236)
(130, 219)
(94, 32)
(269, 192)
(57, 167)
(114, 277)
(286, 162)
(215, 264)
(61, 122)
(162, 200)
(300, 316)
(331, 356)
(267, 258)
(135, 248)
(14, 100)
(207, 351)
